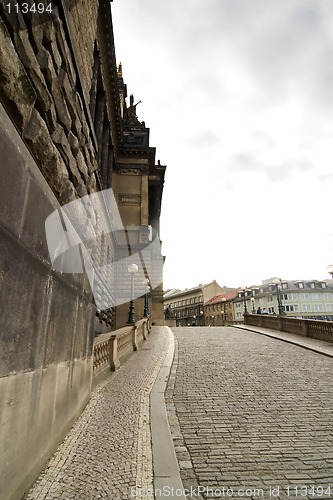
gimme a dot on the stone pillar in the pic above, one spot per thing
(113, 353)
(135, 338)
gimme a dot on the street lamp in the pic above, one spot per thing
(243, 294)
(252, 302)
(146, 308)
(330, 270)
(224, 313)
(277, 283)
(202, 318)
(132, 269)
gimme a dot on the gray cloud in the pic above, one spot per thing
(282, 46)
(247, 162)
(204, 139)
(325, 178)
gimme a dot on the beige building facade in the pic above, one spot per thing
(308, 299)
(219, 310)
(187, 307)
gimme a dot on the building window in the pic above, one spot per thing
(328, 296)
(329, 307)
(323, 285)
(304, 296)
(291, 296)
(300, 285)
(306, 307)
(291, 308)
(318, 307)
(315, 296)
(284, 285)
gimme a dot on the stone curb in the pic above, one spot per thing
(165, 464)
(315, 345)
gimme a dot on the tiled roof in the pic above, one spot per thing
(218, 298)
(190, 290)
(292, 285)
(170, 292)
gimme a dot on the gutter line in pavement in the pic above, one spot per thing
(166, 470)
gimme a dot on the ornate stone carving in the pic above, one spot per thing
(129, 171)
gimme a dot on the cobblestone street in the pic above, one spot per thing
(251, 414)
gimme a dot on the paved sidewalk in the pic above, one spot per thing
(108, 451)
(251, 416)
(320, 346)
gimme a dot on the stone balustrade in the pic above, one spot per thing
(111, 348)
(320, 330)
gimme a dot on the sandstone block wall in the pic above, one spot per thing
(49, 157)
(60, 135)
(46, 325)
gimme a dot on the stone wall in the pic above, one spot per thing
(40, 91)
(83, 20)
(60, 136)
(46, 324)
(49, 158)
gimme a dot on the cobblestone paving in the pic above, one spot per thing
(108, 451)
(251, 416)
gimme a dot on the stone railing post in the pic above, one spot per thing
(279, 323)
(113, 353)
(305, 328)
(144, 326)
(135, 338)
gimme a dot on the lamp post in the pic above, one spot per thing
(277, 283)
(224, 313)
(252, 302)
(146, 308)
(202, 318)
(132, 269)
(243, 294)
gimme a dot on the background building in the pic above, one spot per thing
(187, 306)
(311, 299)
(219, 310)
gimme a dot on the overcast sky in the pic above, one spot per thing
(238, 95)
